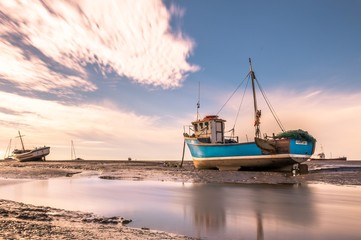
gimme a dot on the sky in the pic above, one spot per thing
(120, 78)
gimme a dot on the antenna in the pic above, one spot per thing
(72, 151)
(199, 99)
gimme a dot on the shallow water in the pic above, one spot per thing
(209, 211)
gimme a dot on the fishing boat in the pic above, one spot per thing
(35, 154)
(212, 149)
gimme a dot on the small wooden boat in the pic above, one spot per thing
(210, 148)
(35, 154)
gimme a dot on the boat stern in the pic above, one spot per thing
(302, 147)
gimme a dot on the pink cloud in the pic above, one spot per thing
(131, 38)
(31, 73)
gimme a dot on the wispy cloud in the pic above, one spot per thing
(331, 117)
(312, 94)
(54, 52)
(103, 124)
(30, 73)
(129, 38)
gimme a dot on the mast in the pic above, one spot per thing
(8, 150)
(72, 150)
(22, 143)
(257, 113)
(199, 99)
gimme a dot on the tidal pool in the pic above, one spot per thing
(208, 211)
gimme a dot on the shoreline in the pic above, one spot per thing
(19, 220)
(331, 172)
(26, 221)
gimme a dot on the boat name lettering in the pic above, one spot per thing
(299, 142)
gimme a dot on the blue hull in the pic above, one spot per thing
(247, 155)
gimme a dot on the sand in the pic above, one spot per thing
(24, 221)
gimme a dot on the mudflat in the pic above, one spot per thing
(332, 172)
(24, 221)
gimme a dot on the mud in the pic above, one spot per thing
(23, 221)
(332, 172)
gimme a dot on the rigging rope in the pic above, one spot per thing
(270, 106)
(240, 105)
(233, 94)
(264, 96)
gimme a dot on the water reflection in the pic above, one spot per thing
(208, 207)
(211, 211)
(220, 210)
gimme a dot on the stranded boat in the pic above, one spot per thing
(35, 154)
(210, 148)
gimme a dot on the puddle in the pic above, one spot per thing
(209, 211)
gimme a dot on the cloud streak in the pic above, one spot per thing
(331, 117)
(29, 73)
(117, 134)
(132, 39)
(54, 53)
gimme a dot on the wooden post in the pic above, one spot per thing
(184, 145)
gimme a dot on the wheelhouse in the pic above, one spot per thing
(210, 129)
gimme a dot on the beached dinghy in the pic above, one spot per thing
(35, 154)
(210, 148)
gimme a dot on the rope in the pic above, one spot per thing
(270, 106)
(232, 94)
(264, 96)
(240, 105)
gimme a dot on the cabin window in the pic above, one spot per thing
(195, 127)
(201, 125)
(206, 124)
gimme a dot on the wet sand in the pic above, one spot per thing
(24, 221)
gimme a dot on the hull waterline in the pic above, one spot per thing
(277, 161)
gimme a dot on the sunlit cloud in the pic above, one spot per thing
(331, 117)
(101, 126)
(56, 52)
(132, 39)
(29, 73)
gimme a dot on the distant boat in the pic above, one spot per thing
(8, 153)
(210, 148)
(322, 157)
(73, 155)
(36, 154)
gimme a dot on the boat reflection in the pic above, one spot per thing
(207, 211)
(235, 210)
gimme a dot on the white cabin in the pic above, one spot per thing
(210, 129)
